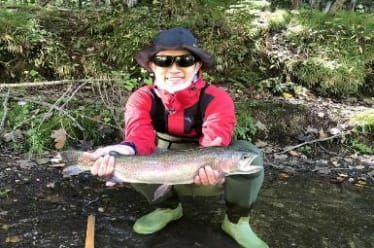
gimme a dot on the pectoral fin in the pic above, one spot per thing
(160, 191)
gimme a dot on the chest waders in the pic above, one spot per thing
(239, 192)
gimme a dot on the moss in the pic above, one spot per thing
(338, 50)
(330, 77)
(363, 120)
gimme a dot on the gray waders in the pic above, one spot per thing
(240, 191)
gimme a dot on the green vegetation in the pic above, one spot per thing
(330, 55)
(364, 121)
(29, 124)
(338, 51)
(246, 124)
(362, 147)
(270, 51)
(363, 131)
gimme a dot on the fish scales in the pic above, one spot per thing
(173, 167)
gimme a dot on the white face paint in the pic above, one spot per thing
(174, 78)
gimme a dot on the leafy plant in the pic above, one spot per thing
(307, 149)
(35, 142)
(362, 147)
(363, 121)
(246, 125)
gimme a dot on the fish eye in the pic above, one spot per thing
(245, 156)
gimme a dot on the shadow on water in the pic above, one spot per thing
(301, 211)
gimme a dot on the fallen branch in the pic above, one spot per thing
(5, 109)
(53, 107)
(290, 148)
(90, 232)
(66, 113)
(52, 83)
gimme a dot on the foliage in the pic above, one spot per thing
(277, 51)
(307, 149)
(363, 130)
(330, 77)
(36, 120)
(338, 51)
(246, 124)
(362, 147)
(364, 121)
(29, 52)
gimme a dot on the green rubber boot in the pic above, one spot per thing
(156, 220)
(242, 233)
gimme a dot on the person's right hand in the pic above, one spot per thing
(104, 163)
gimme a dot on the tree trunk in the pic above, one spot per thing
(352, 5)
(336, 6)
(295, 4)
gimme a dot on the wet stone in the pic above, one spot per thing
(280, 157)
(322, 162)
(360, 167)
(322, 170)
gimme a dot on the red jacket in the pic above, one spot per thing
(201, 110)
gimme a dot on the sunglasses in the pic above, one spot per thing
(166, 60)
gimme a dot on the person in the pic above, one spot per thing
(179, 109)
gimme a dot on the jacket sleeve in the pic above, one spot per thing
(139, 130)
(219, 118)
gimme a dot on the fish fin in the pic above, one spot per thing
(115, 179)
(160, 191)
(72, 170)
(222, 175)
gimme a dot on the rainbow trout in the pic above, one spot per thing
(169, 168)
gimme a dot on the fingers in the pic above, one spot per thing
(104, 163)
(100, 152)
(208, 142)
(103, 166)
(208, 176)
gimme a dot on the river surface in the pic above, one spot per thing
(39, 208)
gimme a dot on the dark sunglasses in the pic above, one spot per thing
(166, 60)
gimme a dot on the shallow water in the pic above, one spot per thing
(301, 211)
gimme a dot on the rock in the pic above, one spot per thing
(360, 167)
(42, 161)
(371, 173)
(322, 170)
(280, 157)
(334, 131)
(322, 162)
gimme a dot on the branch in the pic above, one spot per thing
(53, 107)
(5, 107)
(51, 83)
(289, 148)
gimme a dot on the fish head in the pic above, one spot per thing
(243, 164)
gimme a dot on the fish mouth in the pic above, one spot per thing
(253, 170)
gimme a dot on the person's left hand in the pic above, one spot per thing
(208, 176)
(207, 142)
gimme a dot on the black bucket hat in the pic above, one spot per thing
(174, 39)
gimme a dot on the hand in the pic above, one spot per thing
(104, 163)
(208, 176)
(206, 142)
